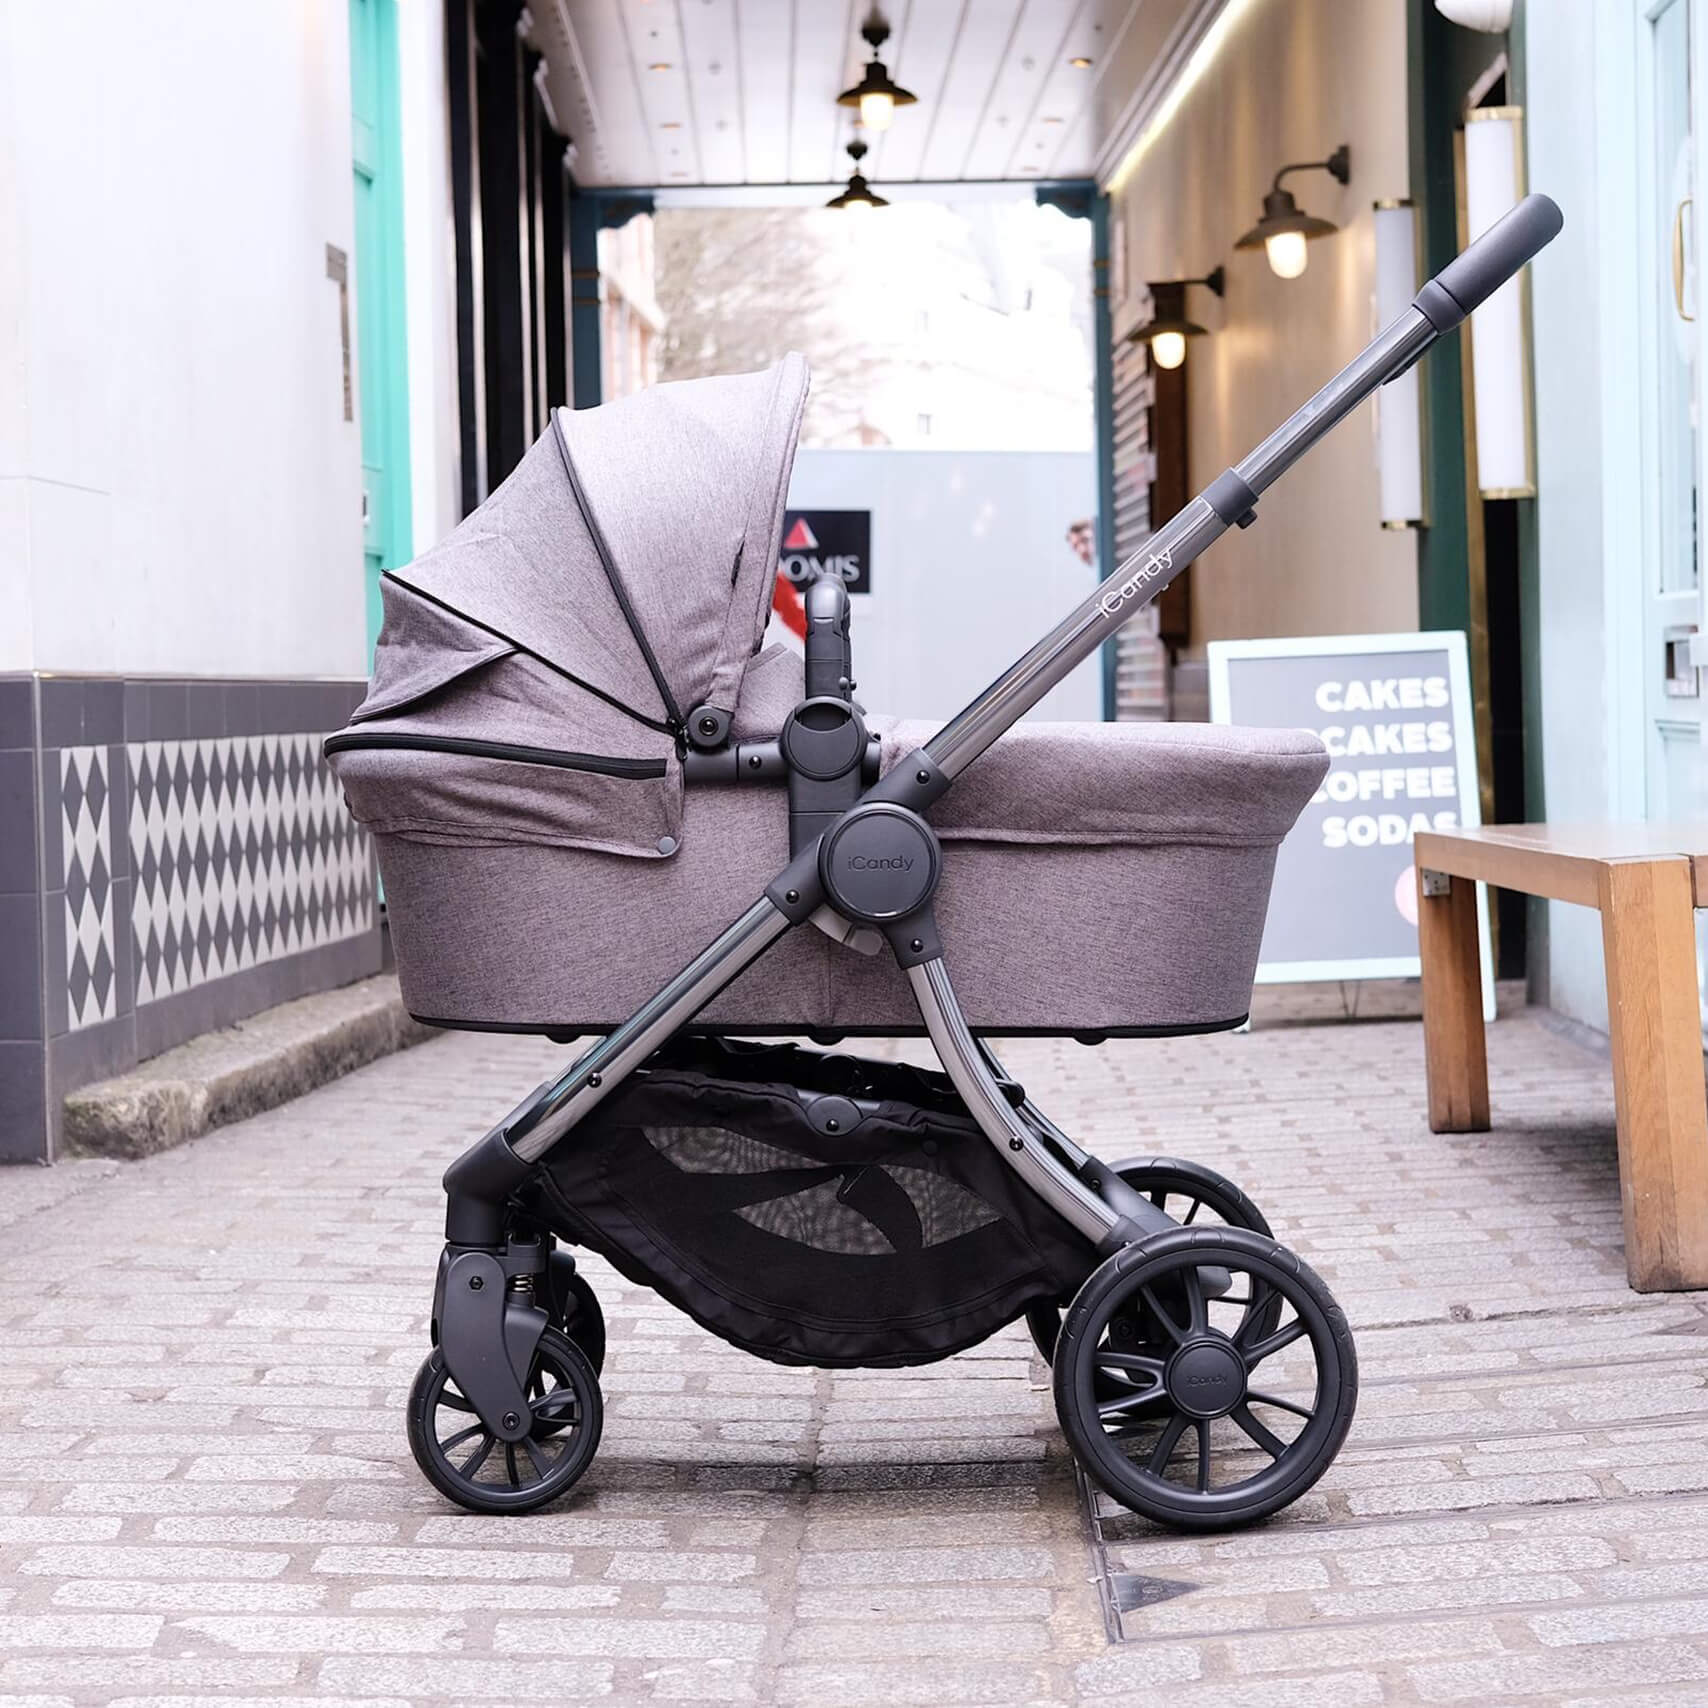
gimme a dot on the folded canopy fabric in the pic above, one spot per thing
(633, 549)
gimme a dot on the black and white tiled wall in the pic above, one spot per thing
(174, 855)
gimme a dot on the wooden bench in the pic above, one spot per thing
(1646, 880)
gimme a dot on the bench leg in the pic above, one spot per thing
(1648, 930)
(1455, 1054)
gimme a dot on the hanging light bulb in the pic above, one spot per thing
(1288, 256)
(876, 95)
(1285, 228)
(1168, 328)
(1168, 349)
(859, 193)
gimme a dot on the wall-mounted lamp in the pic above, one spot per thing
(1168, 327)
(1284, 229)
(859, 193)
(1499, 329)
(876, 95)
(1399, 419)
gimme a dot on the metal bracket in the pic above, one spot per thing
(1434, 884)
(487, 1337)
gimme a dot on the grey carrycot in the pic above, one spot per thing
(600, 808)
(548, 863)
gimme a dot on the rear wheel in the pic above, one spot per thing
(1240, 1409)
(1194, 1195)
(575, 1307)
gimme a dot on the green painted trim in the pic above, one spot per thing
(586, 339)
(382, 347)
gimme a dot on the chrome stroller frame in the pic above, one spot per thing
(872, 861)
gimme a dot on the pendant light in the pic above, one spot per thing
(876, 96)
(1168, 328)
(1285, 229)
(859, 193)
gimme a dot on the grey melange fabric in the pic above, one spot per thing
(1095, 876)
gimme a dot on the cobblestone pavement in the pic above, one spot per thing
(205, 1493)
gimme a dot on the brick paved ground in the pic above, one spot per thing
(205, 1494)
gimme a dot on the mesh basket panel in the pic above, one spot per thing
(899, 1238)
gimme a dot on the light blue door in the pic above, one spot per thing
(381, 352)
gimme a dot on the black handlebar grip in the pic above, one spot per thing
(1469, 279)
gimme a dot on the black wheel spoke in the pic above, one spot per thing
(1271, 1343)
(1203, 1456)
(1143, 1363)
(1257, 1399)
(1197, 1205)
(510, 1465)
(470, 1467)
(542, 1465)
(1199, 1312)
(558, 1406)
(1171, 1434)
(1175, 1331)
(454, 1401)
(1267, 1439)
(1125, 1403)
(461, 1436)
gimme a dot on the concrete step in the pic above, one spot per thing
(228, 1075)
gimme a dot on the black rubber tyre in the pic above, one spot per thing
(1124, 1412)
(1183, 1189)
(494, 1476)
(575, 1307)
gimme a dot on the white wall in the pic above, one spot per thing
(179, 491)
(1290, 81)
(970, 566)
(1565, 147)
(429, 275)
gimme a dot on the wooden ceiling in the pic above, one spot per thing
(684, 93)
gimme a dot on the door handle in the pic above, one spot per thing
(1678, 257)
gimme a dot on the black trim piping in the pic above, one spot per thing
(600, 764)
(527, 652)
(597, 535)
(565, 1033)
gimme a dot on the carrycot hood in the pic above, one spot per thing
(635, 545)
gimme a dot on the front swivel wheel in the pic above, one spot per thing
(1238, 1407)
(468, 1463)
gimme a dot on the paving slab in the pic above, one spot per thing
(205, 1494)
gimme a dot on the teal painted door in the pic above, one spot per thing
(381, 353)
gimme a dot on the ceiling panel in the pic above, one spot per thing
(744, 91)
(1020, 122)
(766, 30)
(711, 49)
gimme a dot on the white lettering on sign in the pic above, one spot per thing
(802, 567)
(1388, 829)
(1385, 694)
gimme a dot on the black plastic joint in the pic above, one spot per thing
(915, 783)
(478, 1188)
(1438, 306)
(915, 939)
(708, 726)
(797, 890)
(1232, 499)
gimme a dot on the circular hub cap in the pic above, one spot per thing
(1206, 1377)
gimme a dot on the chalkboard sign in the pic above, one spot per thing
(1394, 712)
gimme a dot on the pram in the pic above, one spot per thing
(570, 761)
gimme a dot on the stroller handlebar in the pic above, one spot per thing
(1470, 278)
